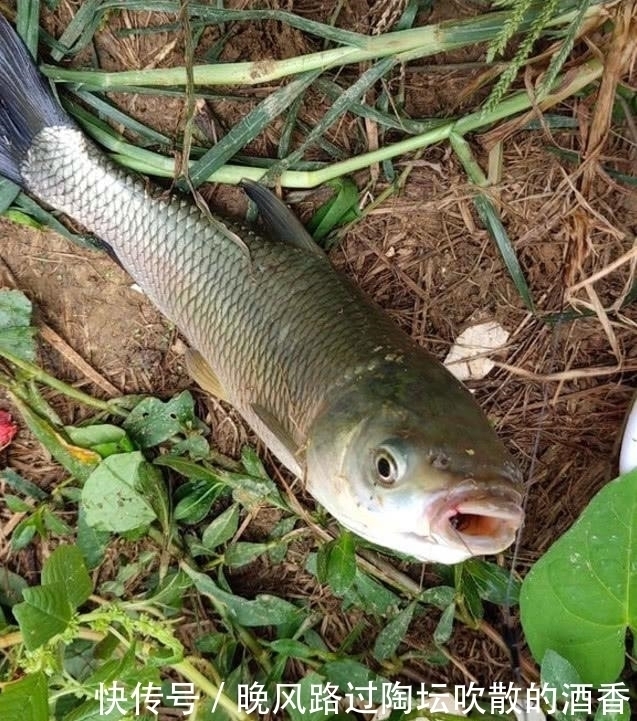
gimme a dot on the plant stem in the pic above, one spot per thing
(151, 163)
(407, 44)
(214, 692)
(43, 377)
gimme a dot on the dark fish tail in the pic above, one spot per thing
(27, 104)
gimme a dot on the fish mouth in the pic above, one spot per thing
(484, 520)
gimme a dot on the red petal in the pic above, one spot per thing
(8, 429)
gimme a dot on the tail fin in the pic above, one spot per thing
(27, 104)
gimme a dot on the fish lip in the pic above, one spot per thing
(482, 518)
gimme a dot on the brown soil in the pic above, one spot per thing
(425, 257)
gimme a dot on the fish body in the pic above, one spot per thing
(382, 435)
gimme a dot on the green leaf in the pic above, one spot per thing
(23, 533)
(66, 566)
(339, 563)
(393, 634)
(339, 209)
(113, 496)
(103, 438)
(21, 485)
(15, 504)
(17, 334)
(195, 503)
(54, 524)
(79, 462)
(9, 191)
(242, 553)
(11, 587)
(26, 699)
(444, 629)
(493, 583)
(348, 673)
(264, 610)
(291, 647)
(152, 421)
(91, 542)
(581, 596)
(222, 528)
(45, 612)
(557, 673)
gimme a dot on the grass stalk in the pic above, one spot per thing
(405, 44)
(151, 163)
(43, 377)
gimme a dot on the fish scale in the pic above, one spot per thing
(241, 302)
(381, 433)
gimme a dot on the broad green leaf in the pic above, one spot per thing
(66, 566)
(11, 587)
(16, 332)
(54, 524)
(15, 309)
(242, 553)
(45, 612)
(393, 634)
(103, 438)
(171, 590)
(252, 463)
(153, 421)
(291, 647)
(365, 592)
(26, 699)
(558, 674)
(222, 528)
(113, 496)
(467, 596)
(339, 209)
(195, 501)
(444, 629)
(350, 675)
(264, 610)
(337, 563)
(23, 533)
(15, 504)
(91, 542)
(196, 446)
(494, 583)
(581, 597)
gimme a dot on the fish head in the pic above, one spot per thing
(408, 461)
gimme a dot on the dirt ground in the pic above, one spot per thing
(425, 257)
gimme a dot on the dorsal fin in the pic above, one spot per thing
(280, 221)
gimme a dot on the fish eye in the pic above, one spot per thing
(386, 467)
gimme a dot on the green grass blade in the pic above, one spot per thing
(79, 32)
(334, 91)
(8, 193)
(490, 217)
(110, 111)
(28, 24)
(249, 127)
(340, 106)
(32, 209)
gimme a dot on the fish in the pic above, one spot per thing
(379, 432)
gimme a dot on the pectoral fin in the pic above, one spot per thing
(277, 429)
(202, 373)
(280, 221)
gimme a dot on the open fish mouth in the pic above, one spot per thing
(483, 520)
